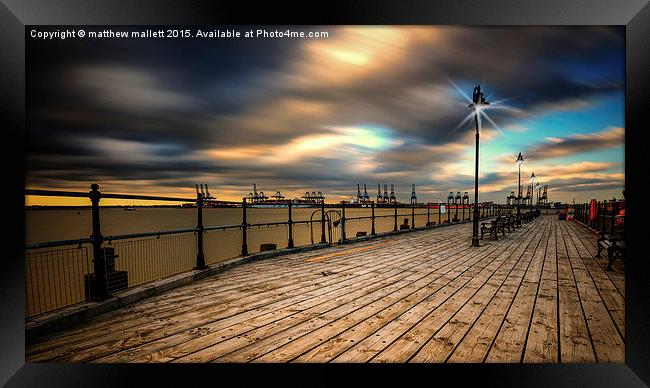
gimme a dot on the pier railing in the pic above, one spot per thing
(66, 272)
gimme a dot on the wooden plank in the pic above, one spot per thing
(607, 342)
(272, 336)
(374, 345)
(510, 341)
(476, 344)
(542, 342)
(575, 343)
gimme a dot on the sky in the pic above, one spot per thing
(366, 105)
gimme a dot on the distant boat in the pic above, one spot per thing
(130, 208)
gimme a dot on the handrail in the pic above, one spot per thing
(77, 194)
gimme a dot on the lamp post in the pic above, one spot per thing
(519, 161)
(478, 102)
(539, 189)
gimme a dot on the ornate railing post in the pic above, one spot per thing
(290, 244)
(395, 218)
(372, 206)
(96, 239)
(342, 222)
(412, 215)
(323, 240)
(244, 227)
(200, 258)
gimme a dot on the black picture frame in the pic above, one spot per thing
(16, 14)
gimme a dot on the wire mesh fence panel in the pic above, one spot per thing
(221, 244)
(259, 235)
(384, 224)
(54, 278)
(307, 233)
(420, 218)
(357, 227)
(149, 259)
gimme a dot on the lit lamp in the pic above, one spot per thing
(519, 162)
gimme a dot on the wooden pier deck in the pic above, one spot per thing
(537, 295)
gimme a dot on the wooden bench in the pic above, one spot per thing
(494, 227)
(615, 246)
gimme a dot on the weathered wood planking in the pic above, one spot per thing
(536, 295)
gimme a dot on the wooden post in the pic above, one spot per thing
(96, 239)
(342, 223)
(323, 240)
(244, 227)
(200, 258)
(290, 243)
(372, 206)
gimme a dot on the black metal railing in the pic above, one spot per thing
(65, 272)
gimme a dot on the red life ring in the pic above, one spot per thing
(593, 210)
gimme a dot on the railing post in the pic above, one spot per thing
(323, 240)
(244, 227)
(290, 244)
(372, 207)
(395, 226)
(413, 216)
(439, 214)
(200, 258)
(449, 213)
(463, 211)
(611, 228)
(342, 222)
(428, 214)
(96, 238)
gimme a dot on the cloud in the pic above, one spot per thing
(369, 104)
(570, 145)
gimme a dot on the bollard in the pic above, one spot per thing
(372, 207)
(290, 244)
(96, 238)
(200, 258)
(323, 240)
(244, 227)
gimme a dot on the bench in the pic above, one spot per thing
(494, 227)
(615, 246)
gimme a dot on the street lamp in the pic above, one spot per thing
(478, 102)
(519, 162)
(539, 189)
